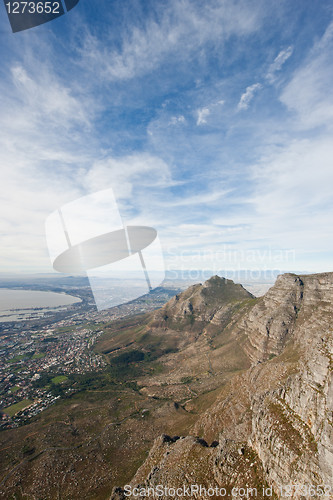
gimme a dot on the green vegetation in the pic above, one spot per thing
(43, 381)
(13, 409)
(124, 372)
(14, 389)
(118, 375)
(128, 357)
(91, 381)
(28, 449)
(56, 384)
(60, 379)
(285, 429)
(16, 359)
(38, 355)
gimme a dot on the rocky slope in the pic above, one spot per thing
(274, 422)
(304, 404)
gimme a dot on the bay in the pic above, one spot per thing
(17, 305)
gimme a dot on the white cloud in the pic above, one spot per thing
(48, 149)
(289, 209)
(202, 116)
(309, 93)
(248, 95)
(293, 201)
(294, 181)
(177, 119)
(41, 155)
(140, 170)
(182, 28)
(278, 62)
(45, 96)
(206, 198)
(289, 205)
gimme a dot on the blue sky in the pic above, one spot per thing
(211, 120)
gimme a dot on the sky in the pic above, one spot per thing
(210, 120)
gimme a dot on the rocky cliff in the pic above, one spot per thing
(273, 423)
(302, 406)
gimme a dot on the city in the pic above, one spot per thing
(45, 360)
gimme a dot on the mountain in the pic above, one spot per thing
(213, 301)
(275, 421)
(216, 388)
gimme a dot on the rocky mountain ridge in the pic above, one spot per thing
(275, 420)
(216, 388)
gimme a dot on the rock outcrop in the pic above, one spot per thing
(274, 421)
(213, 301)
(270, 323)
(293, 427)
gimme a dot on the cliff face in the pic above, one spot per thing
(303, 406)
(275, 421)
(270, 324)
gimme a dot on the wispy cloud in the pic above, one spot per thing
(309, 92)
(127, 107)
(176, 31)
(177, 119)
(202, 116)
(128, 174)
(45, 141)
(278, 62)
(248, 95)
(203, 113)
(196, 200)
(45, 96)
(276, 66)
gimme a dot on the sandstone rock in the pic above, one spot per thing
(276, 419)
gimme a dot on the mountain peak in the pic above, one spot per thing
(202, 302)
(218, 281)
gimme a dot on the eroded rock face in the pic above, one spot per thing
(270, 323)
(208, 302)
(293, 427)
(275, 421)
